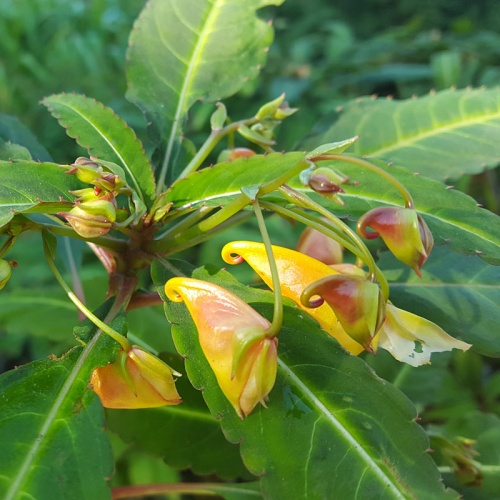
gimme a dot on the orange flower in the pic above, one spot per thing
(136, 379)
(233, 338)
(357, 302)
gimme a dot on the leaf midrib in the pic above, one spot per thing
(344, 433)
(120, 157)
(193, 63)
(51, 417)
(406, 143)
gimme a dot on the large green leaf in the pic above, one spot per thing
(106, 136)
(442, 135)
(460, 293)
(220, 184)
(51, 426)
(184, 50)
(332, 428)
(27, 186)
(454, 218)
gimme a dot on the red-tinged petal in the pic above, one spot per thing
(412, 339)
(232, 337)
(296, 271)
(320, 247)
(404, 232)
(357, 302)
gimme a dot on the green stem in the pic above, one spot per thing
(185, 223)
(9, 243)
(211, 142)
(205, 489)
(364, 253)
(112, 244)
(81, 307)
(370, 166)
(315, 223)
(275, 327)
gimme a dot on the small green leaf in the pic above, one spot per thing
(443, 135)
(107, 137)
(51, 426)
(219, 117)
(332, 428)
(332, 148)
(181, 51)
(27, 186)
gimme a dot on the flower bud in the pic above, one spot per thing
(233, 154)
(5, 272)
(296, 271)
(357, 302)
(136, 379)
(87, 225)
(319, 246)
(404, 232)
(233, 338)
(101, 207)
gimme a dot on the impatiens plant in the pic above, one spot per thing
(272, 384)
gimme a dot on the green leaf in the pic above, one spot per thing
(332, 428)
(220, 184)
(10, 151)
(107, 137)
(443, 135)
(51, 425)
(181, 51)
(453, 217)
(27, 186)
(459, 293)
(12, 130)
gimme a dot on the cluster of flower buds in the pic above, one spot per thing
(233, 337)
(269, 116)
(348, 305)
(136, 379)
(95, 209)
(325, 181)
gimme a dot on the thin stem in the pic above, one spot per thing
(275, 327)
(9, 243)
(370, 166)
(185, 223)
(81, 307)
(140, 490)
(310, 221)
(113, 244)
(211, 142)
(364, 254)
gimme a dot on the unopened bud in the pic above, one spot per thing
(5, 272)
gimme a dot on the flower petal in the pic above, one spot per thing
(412, 339)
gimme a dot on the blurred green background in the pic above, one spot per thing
(325, 53)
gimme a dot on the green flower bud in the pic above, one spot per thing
(5, 272)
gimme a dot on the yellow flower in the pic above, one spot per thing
(408, 337)
(296, 272)
(233, 338)
(136, 379)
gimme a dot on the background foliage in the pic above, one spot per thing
(323, 56)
